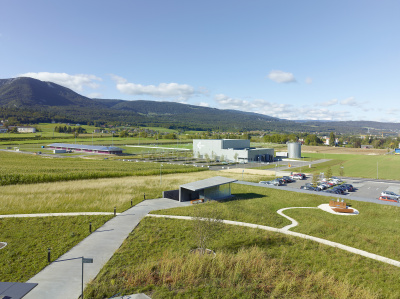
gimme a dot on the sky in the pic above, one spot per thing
(291, 59)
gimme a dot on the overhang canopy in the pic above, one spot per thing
(207, 183)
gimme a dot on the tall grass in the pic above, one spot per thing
(28, 169)
(99, 195)
(249, 263)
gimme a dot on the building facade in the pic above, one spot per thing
(235, 150)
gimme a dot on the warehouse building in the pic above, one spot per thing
(236, 150)
(96, 149)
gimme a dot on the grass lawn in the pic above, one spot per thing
(363, 166)
(29, 238)
(249, 263)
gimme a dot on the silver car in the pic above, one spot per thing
(390, 193)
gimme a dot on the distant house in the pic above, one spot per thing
(366, 146)
(96, 149)
(96, 131)
(26, 130)
(3, 130)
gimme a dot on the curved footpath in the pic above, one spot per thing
(303, 236)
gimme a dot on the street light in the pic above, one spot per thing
(85, 261)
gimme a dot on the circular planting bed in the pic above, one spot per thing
(2, 245)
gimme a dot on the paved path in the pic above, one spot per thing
(303, 236)
(294, 222)
(62, 278)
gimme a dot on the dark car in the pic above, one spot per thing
(305, 187)
(288, 179)
(348, 187)
(338, 190)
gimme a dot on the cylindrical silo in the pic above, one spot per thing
(294, 150)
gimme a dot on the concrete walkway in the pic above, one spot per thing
(294, 222)
(303, 236)
(62, 278)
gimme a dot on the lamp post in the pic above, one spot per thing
(377, 173)
(85, 261)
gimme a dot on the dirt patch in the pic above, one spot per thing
(342, 150)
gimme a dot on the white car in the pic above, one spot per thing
(391, 194)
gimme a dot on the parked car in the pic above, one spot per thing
(288, 179)
(278, 182)
(308, 187)
(296, 176)
(338, 190)
(390, 193)
(348, 187)
(388, 198)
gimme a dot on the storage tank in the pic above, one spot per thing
(294, 150)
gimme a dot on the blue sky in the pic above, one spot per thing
(326, 60)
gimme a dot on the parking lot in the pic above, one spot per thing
(365, 188)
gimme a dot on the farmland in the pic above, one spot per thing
(26, 169)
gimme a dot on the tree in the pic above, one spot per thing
(328, 173)
(315, 179)
(332, 139)
(207, 224)
(124, 134)
(236, 156)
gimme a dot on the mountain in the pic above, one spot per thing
(29, 100)
(27, 92)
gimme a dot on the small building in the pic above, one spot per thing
(96, 149)
(237, 150)
(26, 130)
(215, 188)
(3, 130)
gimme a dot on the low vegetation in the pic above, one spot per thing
(249, 263)
(29, 169)
(28, 240)
(100, 195)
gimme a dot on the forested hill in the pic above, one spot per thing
(30, 101)
(27, 100)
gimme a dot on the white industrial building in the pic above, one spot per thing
(26, 130)
(237, 150)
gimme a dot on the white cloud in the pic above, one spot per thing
(281, 76)
(203, 104)
(258, 106)
(330, 102)
(309, 80)
(94, 95)
(351, 101)
(181, 91)
(74, 82)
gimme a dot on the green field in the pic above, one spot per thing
(362, 166)
(29, 238)
(19, 168)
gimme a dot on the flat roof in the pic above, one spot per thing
(207, 183)
(87, 147)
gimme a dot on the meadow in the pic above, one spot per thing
(21, 168)
(362, 166)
